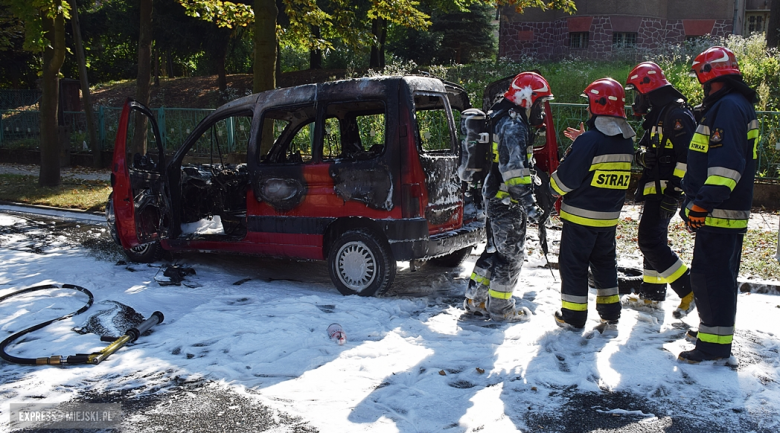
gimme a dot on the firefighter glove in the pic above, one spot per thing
(696, 216)
(531, 209)
(668, 207)
(646, 158)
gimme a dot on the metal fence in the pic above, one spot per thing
(18, 99)
(20, 130)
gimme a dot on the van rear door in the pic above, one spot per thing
(438, 149)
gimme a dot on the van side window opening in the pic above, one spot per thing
(225, 136)
(151, 157)
(287, 135)
(354, 130)
(433, 123)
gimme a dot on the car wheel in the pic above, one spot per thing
(451, 260)
(145, 253)
(361, 263)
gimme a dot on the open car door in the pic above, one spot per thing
(139, 200)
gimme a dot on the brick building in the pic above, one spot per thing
(600, 28)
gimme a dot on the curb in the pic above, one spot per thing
(72, 214)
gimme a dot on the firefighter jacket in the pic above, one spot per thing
(722, 164)
(594, 177)
(510, 173)
(668, 133)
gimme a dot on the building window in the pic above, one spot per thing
(578, 40)
(623, 40)
(756, 22)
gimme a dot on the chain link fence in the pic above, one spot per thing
(19, 129)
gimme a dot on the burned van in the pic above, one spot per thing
(361, 173)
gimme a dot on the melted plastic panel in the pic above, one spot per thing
(368, 182)
(282, 193)
(443, 185)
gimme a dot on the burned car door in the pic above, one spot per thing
(354, 140)
(439, 157)
(210, 182)
(139, 202)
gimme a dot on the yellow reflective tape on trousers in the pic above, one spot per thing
(495, 152)
(713, 338)
(480, 279)
(614, 299)
(652, 277)
(503, 194)
(525, 180)
(675, 271)
(499, 295)
(574, 306)
(721, 181)
(700, 143)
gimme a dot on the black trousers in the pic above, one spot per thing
(714, 270)
(583, 247)
(661, 264)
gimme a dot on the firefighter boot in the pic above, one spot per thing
(505, 310)
(686, 306)
(475, 307)
(696, 356)
(637, 301)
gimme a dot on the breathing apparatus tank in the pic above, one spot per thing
(475, 146)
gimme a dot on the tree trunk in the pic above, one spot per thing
(379, 30)
(143, 81)
(53, 57)
(315, 55)
(773, 26)
(156, 52)
(85, 96)
(220, 57)
(264, 70)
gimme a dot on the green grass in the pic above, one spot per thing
(89, 195)
(758, 249)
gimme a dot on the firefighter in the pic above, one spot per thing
(663, 151)
(508, 198)
(718, 190)
(593, 179)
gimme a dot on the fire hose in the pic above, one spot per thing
(82, 358)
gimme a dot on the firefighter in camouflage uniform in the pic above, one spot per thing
(663, 151)
(718, 197)
(593, 179)
(508, 198)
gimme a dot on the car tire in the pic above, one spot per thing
(145, 253)
(453, 259)
(361, 263)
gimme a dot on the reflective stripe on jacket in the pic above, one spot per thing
(722, 163)
(593, 179)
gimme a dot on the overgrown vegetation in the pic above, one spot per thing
(88, 195)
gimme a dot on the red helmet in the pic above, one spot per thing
(714, 62)
(526, 88)
(606, 98)
(646, 77)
